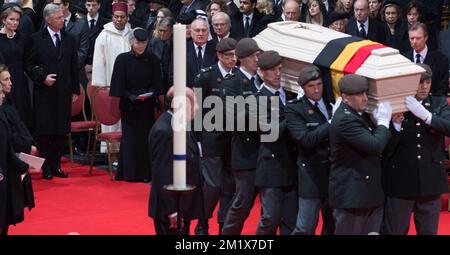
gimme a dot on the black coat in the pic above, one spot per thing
(80, 31)
(310, 129)
(52, 105)
(275, 166)
(355, 174)
(162, 204)
(406, 176)
(440, 66)
(210, 81)
(237, 25)
(11, 189)
(400, 40)
(244, 143)
(92, 36)
(21, 138)
(376, 31)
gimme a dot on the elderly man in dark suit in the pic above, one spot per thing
(200, 53)
(420, 53)
(355, 189)
(363, 26)
(246, 22)
(275, 167)
(415, 175)
(54, 70)
(163, 206)
(308, 121)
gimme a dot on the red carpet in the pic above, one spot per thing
(94, 205)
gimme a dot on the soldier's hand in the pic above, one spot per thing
(416, 108)
(383, 113)
(335, 107)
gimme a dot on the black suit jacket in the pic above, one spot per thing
(80, 31)
(405, 175)
(310, 129)
(439, 65)
(92, 36)
(355, 174)
(52, 105)
(244, 142)
(161, 203)
(376, 30)
(275, 166)
(192, 68)
(237, 25)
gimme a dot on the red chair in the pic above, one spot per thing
(80, 126)
(106, 111)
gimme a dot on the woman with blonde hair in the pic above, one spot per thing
(314, 14)
(265, 7)
(162, 13)
(345, 6)
(216, 6)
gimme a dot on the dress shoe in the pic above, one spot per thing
(47, 175)
(202, 228)
(60, 173)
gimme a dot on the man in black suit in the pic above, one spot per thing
(54, 70)
(221, 25)
(79, 29)
(363, 26)
(96, 23)
(355, 190)
(292, 11)
(200, 53)
(415, 175)
(444, 46)
(163, 206)
(420, 53)
(244, 141)
(246, 22)
(275, 168)
(215, 142)
(308, 121)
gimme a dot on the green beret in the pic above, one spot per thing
(226, 44)
(246, 47)
(428, 74)
(308, 73)
(353, 84)
(269, 59)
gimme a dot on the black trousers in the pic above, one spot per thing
(358, 221)
(51, 147)
(397, 215)
(308, 216)
(4, 231)
(162, 227)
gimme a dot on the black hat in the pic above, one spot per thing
(269, 59)
(308, 73)
(353, 84)
(186, 18)
(334, 16)
(9, 5)
(140, 34)
(428, 74)
(162, 2)
(386, 2)
(246, 47)
(226, 44)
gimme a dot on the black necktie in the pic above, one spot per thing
(247, 25)
(253, 81)
(362, 31)
(418, 58)
(57, 42)
(64, 26)
(199, 56)
(92, 24)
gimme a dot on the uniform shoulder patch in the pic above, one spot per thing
(207, 69)
(295, 100)
(229, 76)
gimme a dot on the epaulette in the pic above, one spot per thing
(295, 100)
(229, 76)
(207, 69)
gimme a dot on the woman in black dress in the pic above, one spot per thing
(135, 73)
(13, 50)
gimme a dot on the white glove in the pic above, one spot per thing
(416, 108)
(335, 107)
(383, 113)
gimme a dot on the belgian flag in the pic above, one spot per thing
(343, 56)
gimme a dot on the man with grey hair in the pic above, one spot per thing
(221, 24)
(54, 70)
(363, 26)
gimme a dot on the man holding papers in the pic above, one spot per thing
(136, 80)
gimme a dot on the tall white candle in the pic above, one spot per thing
(179, 106)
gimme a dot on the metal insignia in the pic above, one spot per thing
(219, 79)
(1, 177)
(427, 104)
(245, 81)
(310, 111)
